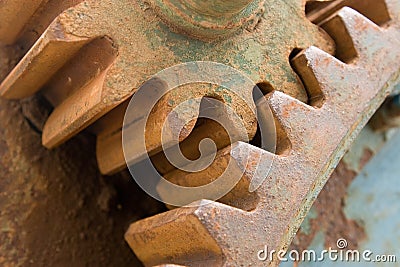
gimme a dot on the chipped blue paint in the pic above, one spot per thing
(373, 199)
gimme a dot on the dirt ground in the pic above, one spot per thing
(56, 209)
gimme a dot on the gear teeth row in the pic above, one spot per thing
(69, 69)
(87, 61)
(349, 93)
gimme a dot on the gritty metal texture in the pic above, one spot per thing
(208, 20)
(14, 15)
(346, 96)
(137, 47)
(91, 59)
(354, 203)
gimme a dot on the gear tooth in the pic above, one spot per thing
(79, 97)
(352, 33)
(41, 62)
(241, 148)
(257, 165)
(315, 68)
(179, 236)
(69, 118)
(14, 15)
(250, 167)
(290, 112)
(299, 121)
(357, 24)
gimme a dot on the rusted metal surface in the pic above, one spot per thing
(317, 11)
(208, 20)
(90, 61)
(22, 22)
(360, 197)
(327, 215)
(139, 46)
(14, 15)
(346, 95)
(56, 209)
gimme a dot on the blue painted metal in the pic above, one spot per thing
(373, 199)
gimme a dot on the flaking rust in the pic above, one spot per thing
(139, 46)
(94, 56)
(347, 94)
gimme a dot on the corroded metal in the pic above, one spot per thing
(376, 10)
(354, 204)
(22, 22)
(90, 61)
(14, 15)
(347, 94)
(209, 20)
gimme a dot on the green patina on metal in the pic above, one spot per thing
(208, 19)
(261, 53)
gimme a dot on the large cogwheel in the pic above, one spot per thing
(324, 68)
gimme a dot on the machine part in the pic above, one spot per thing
(210, 20)
(219, 234)
(351, 203)
(376, 10)
(136, 47)
(24, 21)
(55, 206)
(90, 60)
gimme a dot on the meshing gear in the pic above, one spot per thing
(322, 84)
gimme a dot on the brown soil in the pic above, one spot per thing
(56, 209)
